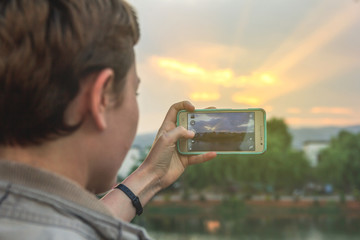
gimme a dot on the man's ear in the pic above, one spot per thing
(99, 97)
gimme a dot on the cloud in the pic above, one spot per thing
(204, 96)
(247, 100)
(191, 71)
(317, 122)
(332, 110)
(211, 67)
(210, 80)
(228, 122)
(246, 53)
(299, 61)
(296, 49)
(250, 124)
(293, 110)
(183, 71)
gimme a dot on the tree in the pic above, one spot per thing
(281, 168)
(339, 164)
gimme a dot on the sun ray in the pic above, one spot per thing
(321, 36)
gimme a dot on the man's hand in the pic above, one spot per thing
(162, 166)
(163, 158)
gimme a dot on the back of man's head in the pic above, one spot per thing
(47, 47)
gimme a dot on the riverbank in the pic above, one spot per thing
(348, 202)
(234, 218)
(259, 207)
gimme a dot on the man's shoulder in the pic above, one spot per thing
(27, 213)
(32, 199)
(12, 228)
(30, 214)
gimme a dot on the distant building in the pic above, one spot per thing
(130, 161)
(312, 150)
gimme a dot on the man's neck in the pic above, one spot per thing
(54, 156)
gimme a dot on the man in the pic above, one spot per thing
(68, 116)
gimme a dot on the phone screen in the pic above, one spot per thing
(231, 131)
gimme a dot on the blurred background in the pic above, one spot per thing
(300, 61)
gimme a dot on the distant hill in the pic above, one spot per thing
(300, 135)
(144, 140)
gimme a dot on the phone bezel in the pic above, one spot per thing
(260, 130)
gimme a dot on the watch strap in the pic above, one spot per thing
(134, 199)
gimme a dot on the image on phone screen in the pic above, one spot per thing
(232, 131)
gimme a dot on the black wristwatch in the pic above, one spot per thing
(134, 199)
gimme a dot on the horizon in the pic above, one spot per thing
(290, 127)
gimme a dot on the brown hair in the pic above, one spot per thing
(46, 48)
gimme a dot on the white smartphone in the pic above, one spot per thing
(225, 131)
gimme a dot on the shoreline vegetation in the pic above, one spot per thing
(257, 218)
(259, 204)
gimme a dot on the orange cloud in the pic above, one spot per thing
(191, 71)
(184, 71)
(322, 121)
(331, 110)
(204, 96)
(247, 100)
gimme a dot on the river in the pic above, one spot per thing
(230, 222)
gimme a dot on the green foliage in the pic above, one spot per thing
(279, 169)
(339, 164)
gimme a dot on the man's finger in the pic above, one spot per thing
(170, 138)
(201, 158)
(175, 108)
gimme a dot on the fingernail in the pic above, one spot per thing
(190, 103)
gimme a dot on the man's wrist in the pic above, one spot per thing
(134, 199)
(144, 184)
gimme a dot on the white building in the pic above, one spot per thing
(312, 150)
(130, 161)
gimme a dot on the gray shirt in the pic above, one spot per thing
(36, 204)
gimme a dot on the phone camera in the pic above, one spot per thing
(192, 116)
(192, 122)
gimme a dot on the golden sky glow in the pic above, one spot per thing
(300, 59)
(178, 70)
(320, 122)
(293, 110)
(248, 100)
(204, 96)
(323, 34)
(332, 110)
(190, 72)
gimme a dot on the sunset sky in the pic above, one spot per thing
(299, 59)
